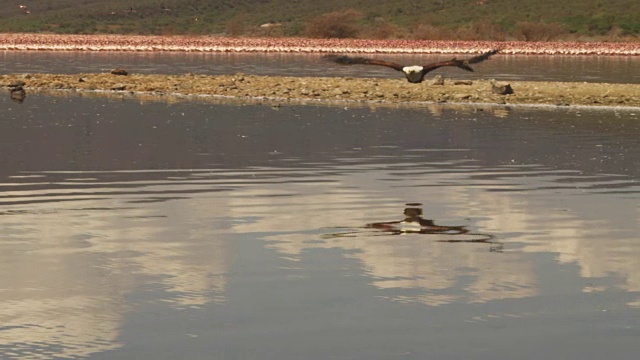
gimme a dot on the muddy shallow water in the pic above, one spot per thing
(147, 229)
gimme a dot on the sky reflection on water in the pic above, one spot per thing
(200, 230)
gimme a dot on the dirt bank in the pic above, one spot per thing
(342, 89)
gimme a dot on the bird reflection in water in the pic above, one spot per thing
(414, 223)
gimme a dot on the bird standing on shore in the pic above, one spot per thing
(17, 92)
(415, 73)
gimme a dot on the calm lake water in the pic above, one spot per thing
(613, 69)
(136, 229)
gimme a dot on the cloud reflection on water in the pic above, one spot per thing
(82, 250)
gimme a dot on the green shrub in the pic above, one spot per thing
(601, 23)
(533, 31)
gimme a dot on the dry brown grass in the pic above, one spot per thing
(430, 32)
(334, 25)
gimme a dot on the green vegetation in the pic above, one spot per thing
(530, 20)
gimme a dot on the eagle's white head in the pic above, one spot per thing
(412, 69)
(413, 73)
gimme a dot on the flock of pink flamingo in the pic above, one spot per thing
(52, 42)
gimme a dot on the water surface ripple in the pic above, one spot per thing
(156, 230)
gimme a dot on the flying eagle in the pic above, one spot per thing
(416, 73)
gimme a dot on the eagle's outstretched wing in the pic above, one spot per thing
(482, 57)
(350, 60)
(461, 63)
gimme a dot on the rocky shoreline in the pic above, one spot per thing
(355, 90)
